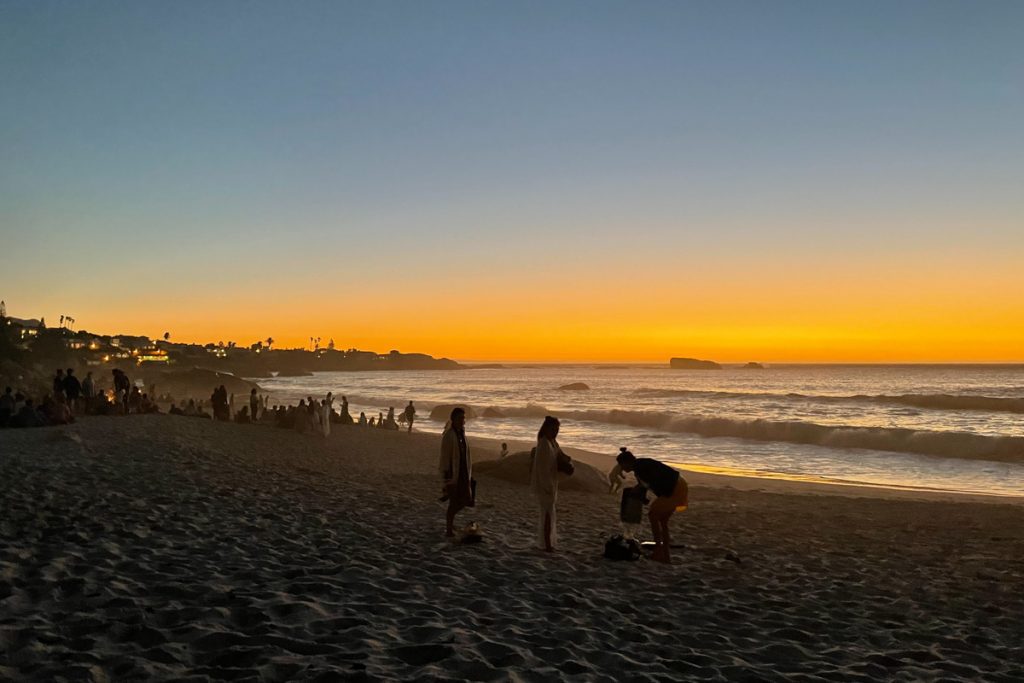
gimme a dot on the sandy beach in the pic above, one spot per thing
(159, 547)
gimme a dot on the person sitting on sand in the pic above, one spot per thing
(504, 451)
(148, 406)
(672, 491)
(362, 419)
(544, 482)
(410, 414)
(100, 404)
(389, 421)
(28, 416)
(456, 469)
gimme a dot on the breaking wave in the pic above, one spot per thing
(928, 401)
(894, 439)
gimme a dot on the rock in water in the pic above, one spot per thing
(693, 364)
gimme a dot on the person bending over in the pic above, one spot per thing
(671, 490)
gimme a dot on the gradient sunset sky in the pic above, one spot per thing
(628, 181)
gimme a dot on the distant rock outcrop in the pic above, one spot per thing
(575, 386)
(443, 412)
(753, 366)
(693, 364)
(195, 382)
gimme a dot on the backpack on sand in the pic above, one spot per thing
(619, 548)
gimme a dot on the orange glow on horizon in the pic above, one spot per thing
(774, 313)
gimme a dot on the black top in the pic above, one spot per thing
(72, 387)
(657, 476)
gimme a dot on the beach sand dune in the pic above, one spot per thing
(159, 547)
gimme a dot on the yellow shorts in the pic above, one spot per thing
(677, 502)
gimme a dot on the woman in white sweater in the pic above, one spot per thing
(544, 482)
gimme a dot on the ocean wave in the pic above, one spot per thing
(961, 445)
(990, 404)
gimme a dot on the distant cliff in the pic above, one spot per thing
(297, 362)
(693, 364)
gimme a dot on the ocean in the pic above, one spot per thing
(929, 427)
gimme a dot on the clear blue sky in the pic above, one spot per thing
(210, 140)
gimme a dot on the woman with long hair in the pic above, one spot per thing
(456, 469)
(544, 482)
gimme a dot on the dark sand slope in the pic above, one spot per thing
(163, 547)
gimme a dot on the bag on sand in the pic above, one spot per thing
(472, 534)
(619, 548)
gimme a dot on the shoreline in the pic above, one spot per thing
(779, 485)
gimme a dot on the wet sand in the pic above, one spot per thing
(162, 547)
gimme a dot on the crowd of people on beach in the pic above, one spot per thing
(71, 397)
(309, 415)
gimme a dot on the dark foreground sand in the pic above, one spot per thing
(163, 548)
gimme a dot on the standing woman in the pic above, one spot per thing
(544, 482)
(456, 469)
(325, 414)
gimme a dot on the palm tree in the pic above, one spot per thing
(167, 336)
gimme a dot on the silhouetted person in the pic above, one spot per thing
(410, 414)
(301, 421)
(254, 404)
(58, 382)
(456, 468)
(88, 387)
(72, 390)
(135, 401)
(326, 410)
(362, 419)
(504, 451)
(28, 416)
(671, 490)
(544, 482)
(122, 386)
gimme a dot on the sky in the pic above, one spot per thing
(570, 181)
